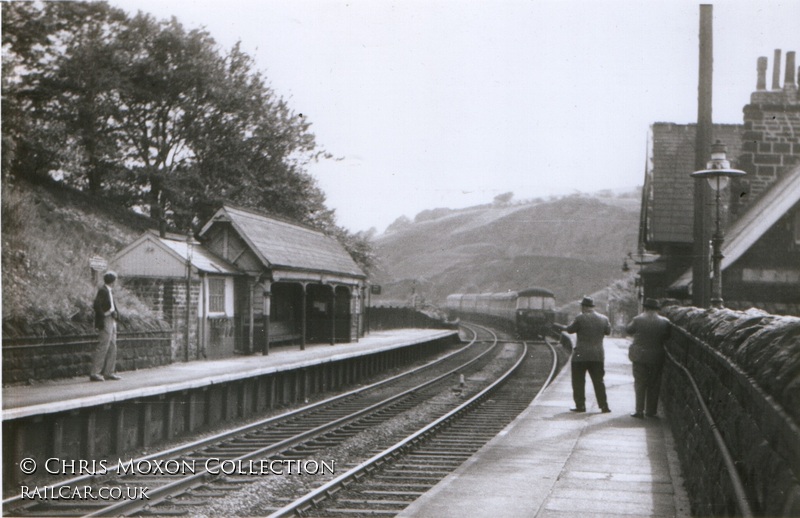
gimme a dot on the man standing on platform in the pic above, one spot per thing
(104, 362)
(650, 332)
(588, 355)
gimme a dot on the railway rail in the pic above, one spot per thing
(388, 482)
(283, 438)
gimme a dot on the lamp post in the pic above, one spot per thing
(717, 172)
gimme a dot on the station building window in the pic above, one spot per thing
(216, 295)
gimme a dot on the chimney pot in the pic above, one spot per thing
(761, 66)
(788, 82)
(776, 70)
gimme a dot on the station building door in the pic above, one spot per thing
(286, 314)
(328, 313)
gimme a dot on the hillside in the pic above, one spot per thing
(574, 246)
(49, 233)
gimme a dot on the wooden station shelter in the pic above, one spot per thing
(255, 281)
(300, 281)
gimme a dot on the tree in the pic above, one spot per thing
(60, 77)
(503, 199)
(166, 89)
(359, 246)
(151, 114)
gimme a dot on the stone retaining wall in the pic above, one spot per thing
(381, 317)
(746, 366)
(35, 359)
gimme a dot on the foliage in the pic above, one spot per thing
(360, 247)
(152, 109)
(152, 115)
(131, 114)
(503, 199)
(48, 235)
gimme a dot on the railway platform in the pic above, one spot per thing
(76, 393)
(553, 463)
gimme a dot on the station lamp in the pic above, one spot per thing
(718, 171)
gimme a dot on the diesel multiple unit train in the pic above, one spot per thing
(530, 313)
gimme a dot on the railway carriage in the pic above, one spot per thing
(530, 313)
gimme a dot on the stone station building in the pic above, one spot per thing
(247, 269)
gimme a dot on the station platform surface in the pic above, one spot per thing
(553, 463)
(73, 393)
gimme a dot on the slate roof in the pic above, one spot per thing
(756, 221)
(288, 245)
(175, 246)
(201, 258)
(671, 211)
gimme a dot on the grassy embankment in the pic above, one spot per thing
(48, 236)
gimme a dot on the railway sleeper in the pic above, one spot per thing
(396, 503)
(163, 512)
(433, 465)
(465, 442)
(477, 434)
(356, 512)
(61, 505)
(403, 486)
(231, 451)
(323, 444)
(400, 478)
(288, 455)
(187, 501)
(383, 492)
(53, 513)
(413, 472)
(269, 439)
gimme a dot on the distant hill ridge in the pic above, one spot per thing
(574, 245)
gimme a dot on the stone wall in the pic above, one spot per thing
(35, 359)
(167, 299)
(746, 368)
(380, 317)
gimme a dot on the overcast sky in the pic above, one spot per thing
(450, 103)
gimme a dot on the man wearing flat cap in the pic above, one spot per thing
(650, 332)
(590, 327)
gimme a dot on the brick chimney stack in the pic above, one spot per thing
(788, 83)
(776, 70)
(771, 140)
(761, 84)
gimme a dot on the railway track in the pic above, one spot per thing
(181, 480)
(388, 482)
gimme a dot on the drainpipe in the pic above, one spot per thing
(188, 296)
(267, 307)
(333, 314)
(304, 318)
(202, 339)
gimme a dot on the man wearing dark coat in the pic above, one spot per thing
(650, 332)
(104, 361)
(588, 355)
